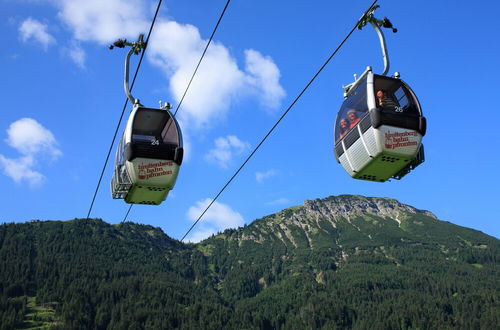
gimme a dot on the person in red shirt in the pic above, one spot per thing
(344, 128)
(353, 118)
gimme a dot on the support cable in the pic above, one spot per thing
(128, 211)
(202, 55)
(279, 120)
(123, 110)
(194, 74)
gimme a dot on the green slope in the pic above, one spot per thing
(340, 262)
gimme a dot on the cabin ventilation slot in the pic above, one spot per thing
(156, 189)
(148, 203)
(390, 159)
(368, 177)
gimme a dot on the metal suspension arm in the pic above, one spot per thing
(132, 99)
(376, 24)
(136, 48)
(385, 55)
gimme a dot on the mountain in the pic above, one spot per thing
(339, 262)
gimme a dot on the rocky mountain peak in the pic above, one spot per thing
(321, 216)
(348, 206)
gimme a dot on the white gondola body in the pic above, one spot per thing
(379, 153)
(145, 180)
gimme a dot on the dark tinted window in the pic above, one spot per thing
(401, 97)
(392, 95)
(154, 126)
(119, 153)
(170, 133)
(352, 110)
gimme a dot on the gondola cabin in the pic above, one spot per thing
(379, 129)
(148, 157)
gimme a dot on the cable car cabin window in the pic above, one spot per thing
(143, 138)
(119, 155)
(170, 133)
(149, 124)
(351, 112)
(401, 97)
(155, 135)
(392, 95)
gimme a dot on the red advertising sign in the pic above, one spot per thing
(394, 140)
(151, 170)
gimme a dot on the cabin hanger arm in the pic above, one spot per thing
(136, 48)
(376, 24)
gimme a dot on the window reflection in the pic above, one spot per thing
(401, 97)
(143, 138)
(170, 135)
(119, 154)
(351, 112)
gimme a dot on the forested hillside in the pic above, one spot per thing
(340, 262)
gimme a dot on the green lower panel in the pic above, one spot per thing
(150, 195)
(382, 167)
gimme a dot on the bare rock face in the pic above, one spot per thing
(348, 206)
(325, 216)
(314, 213)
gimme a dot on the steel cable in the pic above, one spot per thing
(123, 110)
(277, 122)
(194, 74)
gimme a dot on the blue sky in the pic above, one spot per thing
(62, 96)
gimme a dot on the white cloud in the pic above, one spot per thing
(29, 137)
(21, 169)
(218, 218)
(264, 76)
(176, 49)
(33, 30)
(201, 234)
(226, 148)
(103, 21)
(33, 142)
(219, 82)
(91, 20)
(262, 176)
(76, 53)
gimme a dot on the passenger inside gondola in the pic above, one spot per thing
(352, 111)
(344, 128)
(353, 118)
(383, 100)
